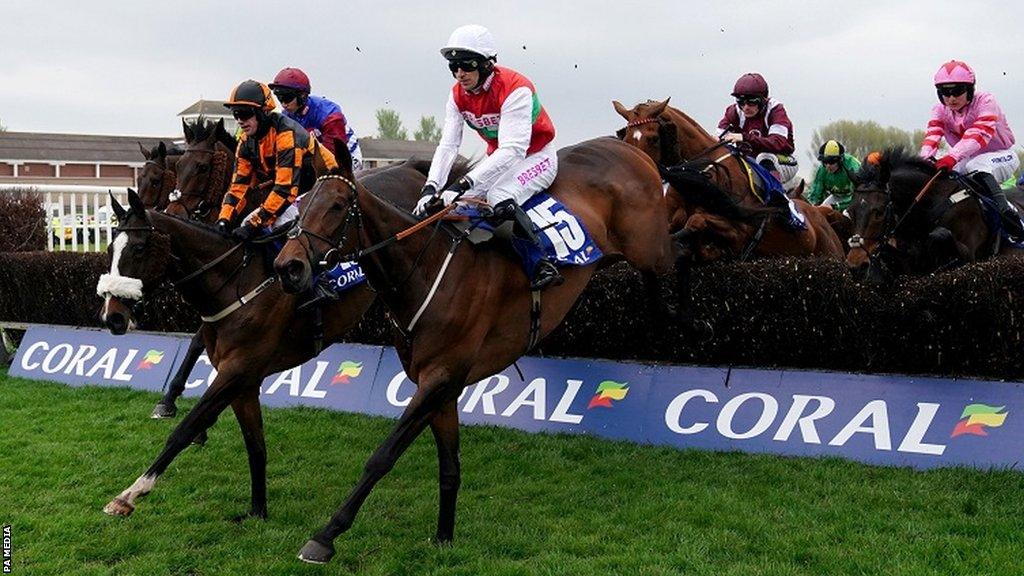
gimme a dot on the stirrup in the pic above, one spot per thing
(546, 274)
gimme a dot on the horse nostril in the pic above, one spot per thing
(117, 323)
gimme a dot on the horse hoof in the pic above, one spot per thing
(441, 541)
(260, 515)
(162, 410)
(316, 553)
(119, 507)
(200, 439)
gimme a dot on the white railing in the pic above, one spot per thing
(79, 218)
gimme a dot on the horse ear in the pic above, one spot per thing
(145, 153)
(342, 155)
(622, 110)
(135, 203)
(161, 150)
(188, 131)
(658, 108)
(119, 210)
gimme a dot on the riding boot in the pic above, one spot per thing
(1009, 217)
(545, 273)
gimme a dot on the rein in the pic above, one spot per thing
(857, 241)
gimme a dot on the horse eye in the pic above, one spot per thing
(138, 247)
(203, 168)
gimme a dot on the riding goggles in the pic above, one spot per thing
(954, 90)
(465, 65)
(285, 96)
(752, 100)
(243, 114)
(831, 160)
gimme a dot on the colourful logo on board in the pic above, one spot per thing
(977, 417)
(608, 391)
(346, 371)
(152, 358)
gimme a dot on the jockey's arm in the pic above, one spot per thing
(243, 178)
(333, 128)
(448, 148)
(514, 131)
(287, 175)
(977, 136)
(933, 133)
(817, 192)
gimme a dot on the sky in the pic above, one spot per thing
(129, 67)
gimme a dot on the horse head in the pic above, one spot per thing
(139, 261)
(326, 226)
(156, 179)
(872, 213)
(651, 130)
(203, 171)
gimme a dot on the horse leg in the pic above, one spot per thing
(445, 426)
(224, 389)
(250, 420)
(421, 409)
(166, 407)
(662, 308)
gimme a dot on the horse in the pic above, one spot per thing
(204, 170)
(910, 219)
(266, 334)
(671, 138)
(477, 321)
(156, 180)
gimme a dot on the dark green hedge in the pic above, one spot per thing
(783, 313)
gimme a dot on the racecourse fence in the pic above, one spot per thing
(773, 313)
(77, 218)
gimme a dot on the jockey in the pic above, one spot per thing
(760, 127)
(981, 141)
(272, 147)
(322, 117)
(833, 181)
(501, 105)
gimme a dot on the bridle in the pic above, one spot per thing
(203, 208)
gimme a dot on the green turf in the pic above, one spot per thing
(529, 504)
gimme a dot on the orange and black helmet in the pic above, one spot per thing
(253, 94)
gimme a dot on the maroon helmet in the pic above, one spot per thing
(751, 84)
(291, 78)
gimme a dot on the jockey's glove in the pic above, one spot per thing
(431, 201)
(245, 232)
(224, 227)
(945, 163)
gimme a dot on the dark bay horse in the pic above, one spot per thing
(670, 137)
(157, 178)
(266, 335)
(464, 309)
(907, 219)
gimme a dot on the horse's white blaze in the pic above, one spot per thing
(113, 284)
(637, 135)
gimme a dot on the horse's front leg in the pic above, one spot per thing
(228, 384)
(431, 395)
(166, 407)
(445, 426)
(250, 420)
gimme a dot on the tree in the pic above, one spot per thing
(429, 130)
(860, 137)
(389, 125)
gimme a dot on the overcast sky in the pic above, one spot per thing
(129, 68)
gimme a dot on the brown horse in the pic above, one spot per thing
(157, 179)
(266, 335)
(670, 137)
(476, 321)
(908, 219)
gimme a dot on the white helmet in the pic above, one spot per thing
(470, 38)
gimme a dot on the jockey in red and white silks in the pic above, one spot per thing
(502, 106)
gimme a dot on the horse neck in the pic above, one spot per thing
(404, 270)
(693, 138)
(192, 247)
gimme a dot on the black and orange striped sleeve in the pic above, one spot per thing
(286, 179)
(240, 183)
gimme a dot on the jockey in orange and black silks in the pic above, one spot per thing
(272, 147)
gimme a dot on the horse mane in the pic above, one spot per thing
(894, 158)
(699, 190)
(461, 167)
(202, 129)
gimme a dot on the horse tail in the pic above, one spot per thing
(698, 190)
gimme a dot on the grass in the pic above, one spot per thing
(529, 504)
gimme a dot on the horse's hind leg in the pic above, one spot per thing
(421, 409)
(250, 420)
(166, 407)
(445, 426)
(224, 389)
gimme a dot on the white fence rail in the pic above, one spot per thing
(78, 218)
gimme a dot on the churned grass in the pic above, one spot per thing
(530, 504)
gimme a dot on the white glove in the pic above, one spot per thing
(447, 197)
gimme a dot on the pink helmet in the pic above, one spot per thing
(954, 72)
